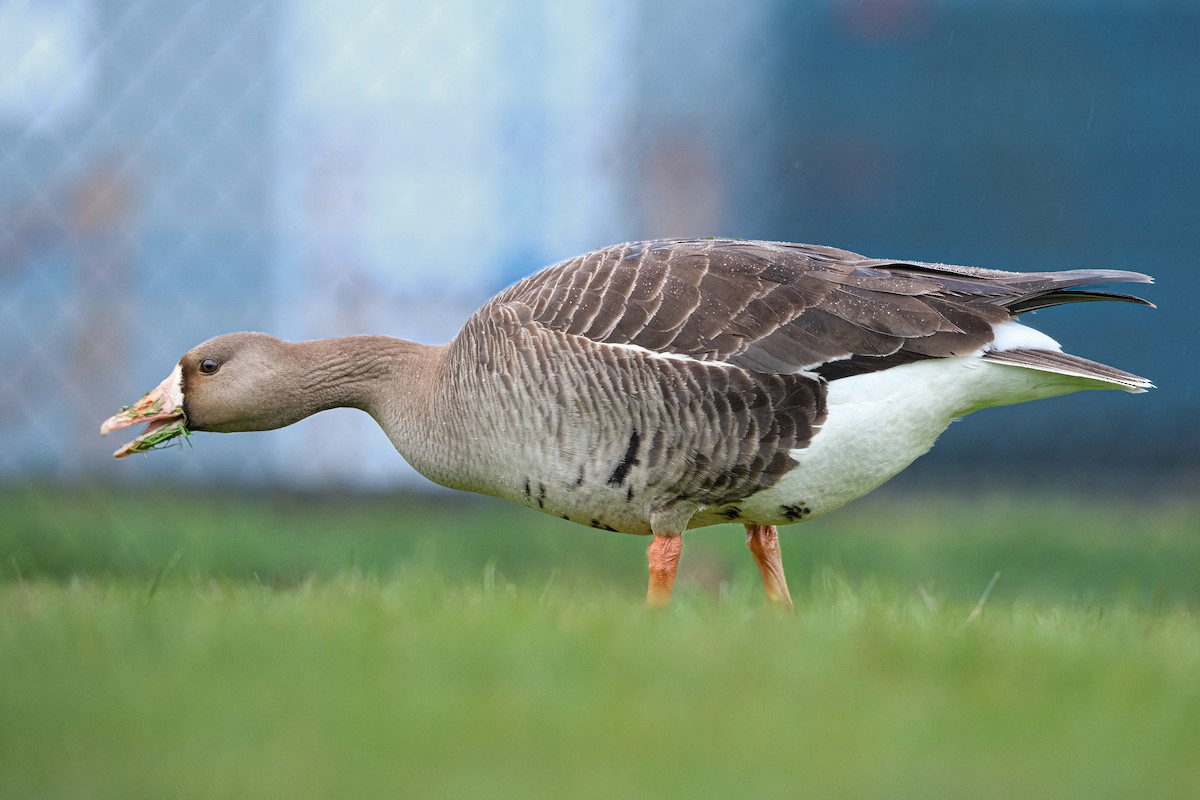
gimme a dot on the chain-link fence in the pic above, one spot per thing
(174, 170)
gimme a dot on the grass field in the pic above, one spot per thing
(164, 644)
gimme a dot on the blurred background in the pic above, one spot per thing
(170, 171)
(285, 613)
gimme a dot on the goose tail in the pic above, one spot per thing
(1074, 366)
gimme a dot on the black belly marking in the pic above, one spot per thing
(796, 512)
(598, 524)
(731, 513)
(628, 461)
(527, 492)
(541, 495)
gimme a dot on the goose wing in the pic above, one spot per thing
(786, 308)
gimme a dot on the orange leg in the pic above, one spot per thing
(664, 560)
(763, 541)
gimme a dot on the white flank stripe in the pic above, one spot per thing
(656, 354)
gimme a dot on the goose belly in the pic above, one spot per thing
(571, 491)
(598, 506)
(579, 467)
(879, 423)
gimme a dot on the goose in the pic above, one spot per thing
(654, 387)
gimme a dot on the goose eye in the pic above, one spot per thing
(208, 366)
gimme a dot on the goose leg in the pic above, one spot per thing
(664, 560)
(763, 541)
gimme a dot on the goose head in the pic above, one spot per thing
(235, 382)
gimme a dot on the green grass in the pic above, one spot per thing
(172, 644)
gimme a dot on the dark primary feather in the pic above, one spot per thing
(785, 308)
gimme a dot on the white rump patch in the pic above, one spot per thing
(880, 422)
(1012, 335)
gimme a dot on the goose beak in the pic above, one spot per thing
(162, 407)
